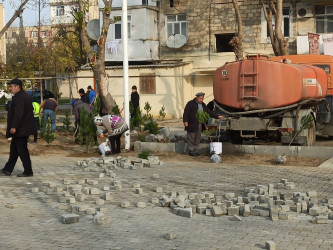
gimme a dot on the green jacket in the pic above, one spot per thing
(36, 107)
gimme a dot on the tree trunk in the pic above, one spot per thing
(17, 13)
(237, 41)
(98, 61)
(279, 43)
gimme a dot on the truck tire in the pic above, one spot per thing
(236, 138)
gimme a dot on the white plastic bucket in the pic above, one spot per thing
(216, 147)
(104, 148)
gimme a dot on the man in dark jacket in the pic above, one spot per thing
(77, 107)
(191, 123)
(135, 99)
(84, 96)
(20, 124)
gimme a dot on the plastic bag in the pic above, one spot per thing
(215, 159)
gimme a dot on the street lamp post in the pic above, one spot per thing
(125, 68)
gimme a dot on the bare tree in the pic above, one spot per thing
(279, 43)
(97, 60)
(17, 13)
(237, 41)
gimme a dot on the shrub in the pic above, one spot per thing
(141, 137)
(162, 113)
(67, 121)
(48, 136)
(87, 130)
(152, 127)
(144, 155)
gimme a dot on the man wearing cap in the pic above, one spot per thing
(91, 94)
(135, 100)
(20, 124)
(191, 123)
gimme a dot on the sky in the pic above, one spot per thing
(30, 14)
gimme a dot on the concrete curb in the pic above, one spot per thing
(298, 151)
(327, 164)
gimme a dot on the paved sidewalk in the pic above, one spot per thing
(35, 224)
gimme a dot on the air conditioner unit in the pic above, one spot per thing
(304, 10)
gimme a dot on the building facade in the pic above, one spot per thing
(182, 43)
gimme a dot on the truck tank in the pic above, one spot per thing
(258, 83)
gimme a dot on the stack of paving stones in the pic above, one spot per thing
(90, 195)
(277, 202)
(109, 163)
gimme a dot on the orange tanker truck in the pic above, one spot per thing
(269, 98)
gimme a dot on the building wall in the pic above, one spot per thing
(143, 42)
(174, 87)
(30, 33)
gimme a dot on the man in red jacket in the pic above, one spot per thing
(191, 123)
(20, 124)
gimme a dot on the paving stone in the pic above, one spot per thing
(83, 208)
(99, 202)
(138, 165)
(107, 196)
(141, 204)
(264, 213)
(270, 245)
(304, 207)
(321, 220)
(298, 207)
(229, 203)
(125, 204)
(106, 188)
(70, 218)
(133, 167)
(136, 185)
(11, 205)
(81, 181)
(71, 200)
(236, 218)
(201, 209)
(316, 211)
(159, 190)
(95, 191)
(290, 186)
(102, 219)
(170, 236)
(139, 191)
(245, 211)
(208, 212)
(34, 190)
(217, 211)
(155, 200)
(86, 190)
(274, 217)
(156, 176)
(312, 194)
(280, 185)
(80, 197)
(233, 211)
(275, 209)
(91, 211)
(229, 195)
(285, 208)
(185, 212)
(284, 216)
(63, 206)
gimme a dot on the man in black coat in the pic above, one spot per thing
(191, 123)
(20, 124)
(135, 99)
(84, 96)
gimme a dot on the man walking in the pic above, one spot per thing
(191, 123)
(20, 124)
(135, 100)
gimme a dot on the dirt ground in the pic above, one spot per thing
(64, 146)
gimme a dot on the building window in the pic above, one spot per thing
(60, 10)
(286, 23)
(34, 34)
(324, 18)
(144, 2)
(222, 42)
(117, 27)
(147, 83)
(14, 34)
(176, 24)
(43, 34)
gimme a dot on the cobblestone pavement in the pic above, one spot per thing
(32, 221)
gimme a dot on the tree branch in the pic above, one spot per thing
(17, 13)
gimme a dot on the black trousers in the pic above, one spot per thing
(19, 148)
(115, 143)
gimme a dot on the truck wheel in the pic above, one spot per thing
(311, 135)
